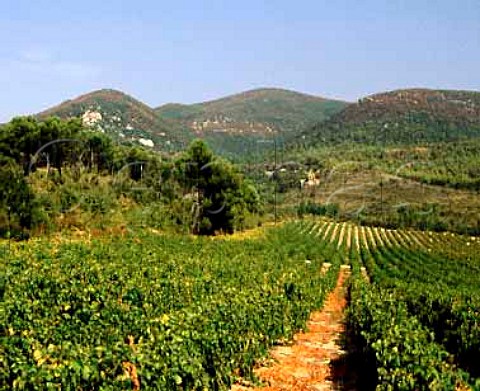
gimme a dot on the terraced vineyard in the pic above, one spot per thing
(152, 311)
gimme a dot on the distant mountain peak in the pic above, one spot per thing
(272, 93)
(259, 111)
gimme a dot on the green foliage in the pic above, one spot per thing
(450, 312)
(18, 209)
(434, 290)
(222, 197)
(454, 322)
(403, 351)
(28, 141)
(452, 164)
(188, 313)
(329, 210)
(288, 111)
(430, 186)
(402, 117)
(412, 321)
(77, 172)
(249, 117)
(100, 151)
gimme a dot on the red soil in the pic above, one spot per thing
(307, 363)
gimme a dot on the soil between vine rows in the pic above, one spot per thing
(315, 360)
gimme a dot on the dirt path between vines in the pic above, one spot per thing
(315, 361)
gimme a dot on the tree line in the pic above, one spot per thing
(212, 191)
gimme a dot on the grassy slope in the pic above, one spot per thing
(436, 183)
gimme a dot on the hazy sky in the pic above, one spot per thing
(189, 51)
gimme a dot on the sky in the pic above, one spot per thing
(192, 51)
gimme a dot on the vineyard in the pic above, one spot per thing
(149, 311)
(414, 305)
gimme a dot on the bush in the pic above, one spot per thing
(330, 210)
(18, 209)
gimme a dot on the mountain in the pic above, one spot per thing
(124, 118)
(238, 125)
(232, 125)
(403, 116)
(260, 111)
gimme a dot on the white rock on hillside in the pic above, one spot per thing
(146, 142)
(90, 118)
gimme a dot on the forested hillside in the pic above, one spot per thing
(261, 111)
(402, 117)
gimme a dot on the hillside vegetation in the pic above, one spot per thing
(402, 117)
(411, 145)
(124, 118)
(238, 125)
(57, 174)
(281, 110)
(228, 124)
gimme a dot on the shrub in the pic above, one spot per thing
(17, 202)
(330, 210)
